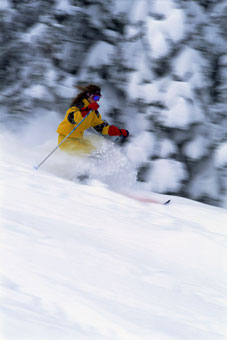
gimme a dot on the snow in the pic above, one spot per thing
(4, 4)
(34, 33)
(85, 262)
(167, 148)
(176, 25)
(223, 60)
(161, 32)
(221, 155)
(152, 54)
(98, 260)
(149, 93)
(51, 77)
(141, 147)
(133, 85)
(64, 6)
(177, 89)
(187, 63)
(166, 175)
(138, 11)
(65, 91)
(159, 46)
(162, 7)
(197, 148)
(181, 108)
(38, 91)
(99, 54)
(120, 7)
(178, 116)
(205, 182)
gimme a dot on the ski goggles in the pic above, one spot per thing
(96, 96)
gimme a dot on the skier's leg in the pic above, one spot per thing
(75, 145)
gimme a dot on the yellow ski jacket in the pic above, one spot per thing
(74, 116)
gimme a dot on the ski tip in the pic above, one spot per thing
(167, 202)
(35, 167)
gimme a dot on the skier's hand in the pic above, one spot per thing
(93, 106)
(124, 133)
(114, 131)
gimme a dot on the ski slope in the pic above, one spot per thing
(83, 262)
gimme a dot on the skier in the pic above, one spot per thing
(85, 102)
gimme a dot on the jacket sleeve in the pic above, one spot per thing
(101, 126)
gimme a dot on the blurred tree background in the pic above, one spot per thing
(162, 65)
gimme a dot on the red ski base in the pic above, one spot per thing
(145, 199)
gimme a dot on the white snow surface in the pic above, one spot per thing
(38, 91)
(166, 175)
(64, 6)
(187, 63)
(4, 4)
(85, 262)
(157, 40)
(161, 31)
(197, 148)
(167, 148)
(179, 115)
(221, 155)
(95, 58)
(138, 10)
(34, 33)
(162, 7)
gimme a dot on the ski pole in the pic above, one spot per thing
(119, 138)
(63, 140)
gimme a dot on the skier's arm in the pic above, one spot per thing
(103, 127)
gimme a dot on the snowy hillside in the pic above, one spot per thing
(162, 67)
(86, 261)
(83, 262)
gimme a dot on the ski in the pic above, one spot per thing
(167, 202)
(144, 199)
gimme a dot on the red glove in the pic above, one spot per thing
(93, 106)
(114, 131)
(84, 111)
(124, 133)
